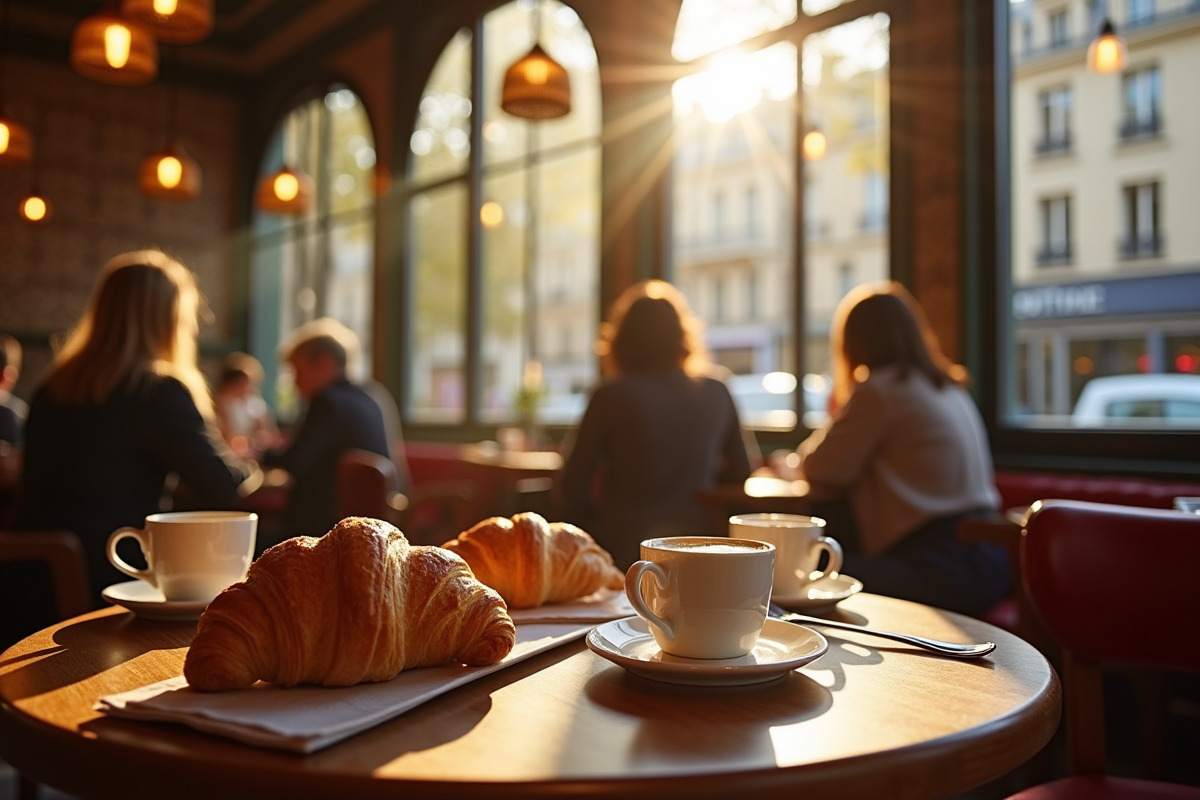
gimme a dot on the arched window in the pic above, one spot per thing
(503, 218)
(318, 263)
(824, 66)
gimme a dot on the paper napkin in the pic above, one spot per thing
(305, 719)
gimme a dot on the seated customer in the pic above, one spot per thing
(122, 412)
(243, 417)
(903, 458)
(655, 432)
(340, 415)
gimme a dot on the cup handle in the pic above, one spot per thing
(834, 549)
(146, 575)
(633, 590)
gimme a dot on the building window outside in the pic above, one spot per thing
(319, 263)
(1055, 214)
(1142, 93)
(538, 185)
(836, 75)
(1059, 31)
(1054, 117)
(1142, 238)
(1141, 11)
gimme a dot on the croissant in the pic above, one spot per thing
(531, 562)
(358, 604)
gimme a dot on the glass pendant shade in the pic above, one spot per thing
(536, 87)
(170, 175)
(173, 21)
(1106, 53)
(287, 191)
(111, 49)
(34, 208)
(16, 145)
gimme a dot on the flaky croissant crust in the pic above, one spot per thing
(359, 604)
(531, 562)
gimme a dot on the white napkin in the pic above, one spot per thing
(305, 719)
(600, 606)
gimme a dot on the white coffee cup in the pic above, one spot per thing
(709, 594)
(1189, 505)
(190, 555)
(799, 542)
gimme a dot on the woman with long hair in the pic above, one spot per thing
(655, 432)
(903, 458)
(124, 412)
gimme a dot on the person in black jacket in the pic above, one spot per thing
(123, 415)
(340, 415)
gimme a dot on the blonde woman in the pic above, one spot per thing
(655, 432)
(903, 458)
(123, 411)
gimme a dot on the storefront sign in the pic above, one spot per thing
(1159, 294)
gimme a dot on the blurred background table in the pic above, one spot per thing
(867, 719)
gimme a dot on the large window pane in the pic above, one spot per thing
(441, 142)
(437, 368)
(1105, 281)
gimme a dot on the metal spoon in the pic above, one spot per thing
(945, 648)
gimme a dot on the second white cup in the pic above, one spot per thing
(190, 555)
(707, 597)
(799, 542)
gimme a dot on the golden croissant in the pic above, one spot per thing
(358, 604)
(531, 562)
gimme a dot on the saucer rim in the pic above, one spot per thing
(807, 601)
(703, 671)
(150, 607)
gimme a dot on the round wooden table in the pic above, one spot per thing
(868, 719)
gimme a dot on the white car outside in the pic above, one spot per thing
(1160, 400)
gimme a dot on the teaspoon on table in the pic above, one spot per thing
(935, 645)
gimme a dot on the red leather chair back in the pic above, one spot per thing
(365, 482)
(1116, 584)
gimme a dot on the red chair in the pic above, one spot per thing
(1083, 566)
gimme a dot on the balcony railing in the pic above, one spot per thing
(1148, 246)
(1137, 128)
(1053, 255)
(1055, 145)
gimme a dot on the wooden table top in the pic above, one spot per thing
(868, 718)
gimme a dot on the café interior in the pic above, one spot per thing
(375, 161)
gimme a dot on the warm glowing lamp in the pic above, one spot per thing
(1106, 53)
(174, 21)
(814, 145)
(16, 145)
(287, 191)
(34, 208)
(108, 48)
(536, 86)
(491, 214)
(170, 174)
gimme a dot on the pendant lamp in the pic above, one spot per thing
(288, 191)
(170, 174)
(35, 207)
(173, 21)
(536, 86)
(1106, 53)
(108, 48)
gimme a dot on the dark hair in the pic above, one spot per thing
(239, 367)
(650, 327)
(880, 325)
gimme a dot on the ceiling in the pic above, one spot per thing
(249, 36)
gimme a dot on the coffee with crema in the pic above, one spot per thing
(709, 547)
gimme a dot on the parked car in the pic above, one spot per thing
(1159, 400)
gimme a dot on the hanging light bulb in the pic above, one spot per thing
(111, 49)
(1106, 53)
(814, 145)
(174, 21)
(35, 208)
(287, 191)
(170, 174)
(536, 86)
(16, 145)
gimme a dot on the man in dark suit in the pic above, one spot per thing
(340, 415)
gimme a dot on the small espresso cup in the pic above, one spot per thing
(190, 555)
(707, 596)
(799, 542)
(1188, 505)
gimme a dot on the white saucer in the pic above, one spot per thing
(144, 600)
(782, 647)
(826, 591)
